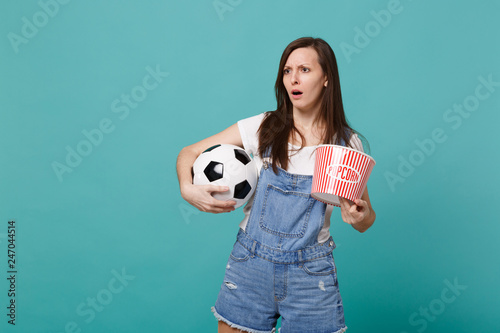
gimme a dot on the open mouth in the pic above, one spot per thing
(296, 92)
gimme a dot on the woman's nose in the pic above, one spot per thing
(294, 78)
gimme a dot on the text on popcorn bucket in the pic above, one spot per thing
(343, 172)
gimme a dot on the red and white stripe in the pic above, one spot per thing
(326, 179)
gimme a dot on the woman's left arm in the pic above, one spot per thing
(359, 213)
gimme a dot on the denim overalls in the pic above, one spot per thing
(277, 267)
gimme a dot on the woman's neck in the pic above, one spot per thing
(312, 133)
(306, 119)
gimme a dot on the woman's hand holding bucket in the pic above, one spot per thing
(358, 213)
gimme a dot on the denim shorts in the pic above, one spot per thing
(257, 291)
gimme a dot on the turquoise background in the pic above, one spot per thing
(120, 211)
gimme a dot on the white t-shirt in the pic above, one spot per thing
(301, 162)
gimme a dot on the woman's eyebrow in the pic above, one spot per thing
(304, 64)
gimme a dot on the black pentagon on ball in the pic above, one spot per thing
(214, 171)
(242, 189)
(242, 156)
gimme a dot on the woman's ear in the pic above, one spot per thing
(326, 83)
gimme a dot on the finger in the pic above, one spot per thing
(219, 211)
(343, 207)
(350, 213)
(215, 188)
(353, 209)
(345, 204)
(223, 203)
(345, 218)
(227, 210)
(344, 210)
(216, 210)
(361, 202)
(361, 206)
(348, 202)
(342, 202)
(212, 205)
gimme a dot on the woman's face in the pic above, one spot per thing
(304, 79)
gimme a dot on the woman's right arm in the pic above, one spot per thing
(200, 195)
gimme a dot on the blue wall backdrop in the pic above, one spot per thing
(97, 98)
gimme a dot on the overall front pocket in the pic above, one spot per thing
(285, 213)
(321, 266)
(239, 252)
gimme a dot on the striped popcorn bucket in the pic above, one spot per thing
(340, 172)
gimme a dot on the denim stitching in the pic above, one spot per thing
(285, 283)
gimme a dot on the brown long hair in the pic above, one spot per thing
(278, 125)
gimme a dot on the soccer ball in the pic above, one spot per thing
(227, 165)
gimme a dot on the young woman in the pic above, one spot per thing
(282, 263)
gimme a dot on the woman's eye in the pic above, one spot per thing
(286, 71)
(305, 69)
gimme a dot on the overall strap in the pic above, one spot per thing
(267, 153)
(266, 158)
(348, 134)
